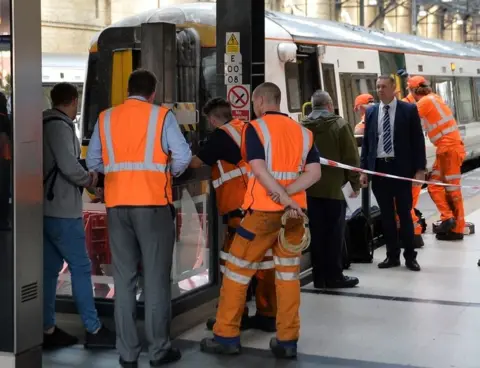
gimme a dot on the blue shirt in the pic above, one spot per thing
(173, 141)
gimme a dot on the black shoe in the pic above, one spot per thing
(412, 265)
(103, 339)
(418, 241)
(171, 356)
(282, 352)
(446, 226)
(126, 364)
(450, 236)
(344, 282)
(58, 339)
(244, 325)
(211, 346)
(389, 263)
(263, 323)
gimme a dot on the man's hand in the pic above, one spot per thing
(289, 204)
(93, 179)
(100, 194)
(364, 180)
(354, 194)
(420, 175)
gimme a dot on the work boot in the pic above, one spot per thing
(103, 339)
(450, 236)
(263, 323)
(58, 339)
(446, 226)
(211, 346)
(245, 324)
(283, 351)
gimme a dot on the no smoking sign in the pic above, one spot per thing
(239, 98)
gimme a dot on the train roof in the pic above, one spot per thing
(307, 30)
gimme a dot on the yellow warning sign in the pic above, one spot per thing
(233, 43)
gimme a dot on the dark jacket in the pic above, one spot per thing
(408, 140)
(335, 140)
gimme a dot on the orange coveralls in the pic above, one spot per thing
(230, 184)
(286, 145)
(442, 130)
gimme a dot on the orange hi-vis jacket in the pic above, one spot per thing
(230, 181)
(286, 145)
(438, 121)
(136, 166)
(409, 98)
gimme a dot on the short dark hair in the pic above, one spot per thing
(218, 107)
(142, 83)
(389, 77)
(63, 94)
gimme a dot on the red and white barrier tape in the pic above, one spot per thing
(324, 161)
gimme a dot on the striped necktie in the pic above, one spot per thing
(387, 131)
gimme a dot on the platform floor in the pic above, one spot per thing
(394, 318)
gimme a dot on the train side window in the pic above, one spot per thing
(328, 71)
(293, 87)
(465, 103)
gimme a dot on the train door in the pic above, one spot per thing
(353, 85)
(308, 74)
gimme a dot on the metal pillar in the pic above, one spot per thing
(240, 61)
(21, 263)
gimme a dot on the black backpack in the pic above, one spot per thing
(362, 236)
(53, 173)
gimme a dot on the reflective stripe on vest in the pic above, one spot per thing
(282, 175)
(232, 174)
(444, 119)
(147, 164)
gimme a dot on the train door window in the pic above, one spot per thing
(330, 82)
(293, 87)
(444, 88)
(91, 104)
(347, 97)
(465, 103)
(309, 74)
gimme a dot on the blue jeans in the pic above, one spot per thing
(64, 239)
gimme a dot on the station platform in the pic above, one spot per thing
(394, 318)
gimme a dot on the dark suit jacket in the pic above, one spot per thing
(408, 140)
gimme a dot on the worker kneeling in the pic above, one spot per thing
(442, 130)
(278, 150)
(230, 179)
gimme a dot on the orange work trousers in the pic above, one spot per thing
(415, 196)
(265, 294)
(257, 234)
(449, 200)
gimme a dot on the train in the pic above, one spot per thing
(302, 55)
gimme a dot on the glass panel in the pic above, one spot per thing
(293, 87)
(328, 71)
(465, 103)
(445, 90)
(191, 259)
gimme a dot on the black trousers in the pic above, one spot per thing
(394, 194)
(327, 228)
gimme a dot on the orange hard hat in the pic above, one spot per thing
(364, 99)
(417, 81)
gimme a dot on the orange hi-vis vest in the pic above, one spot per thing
(136, 167)
(230, 181)
(409, 98)
(438, 121)
(286, 145)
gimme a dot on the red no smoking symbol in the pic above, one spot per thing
(238, 97)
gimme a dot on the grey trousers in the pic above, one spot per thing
(146, 234)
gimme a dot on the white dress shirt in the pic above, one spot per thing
(381, 111)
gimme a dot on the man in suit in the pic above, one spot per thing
(394, 144)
